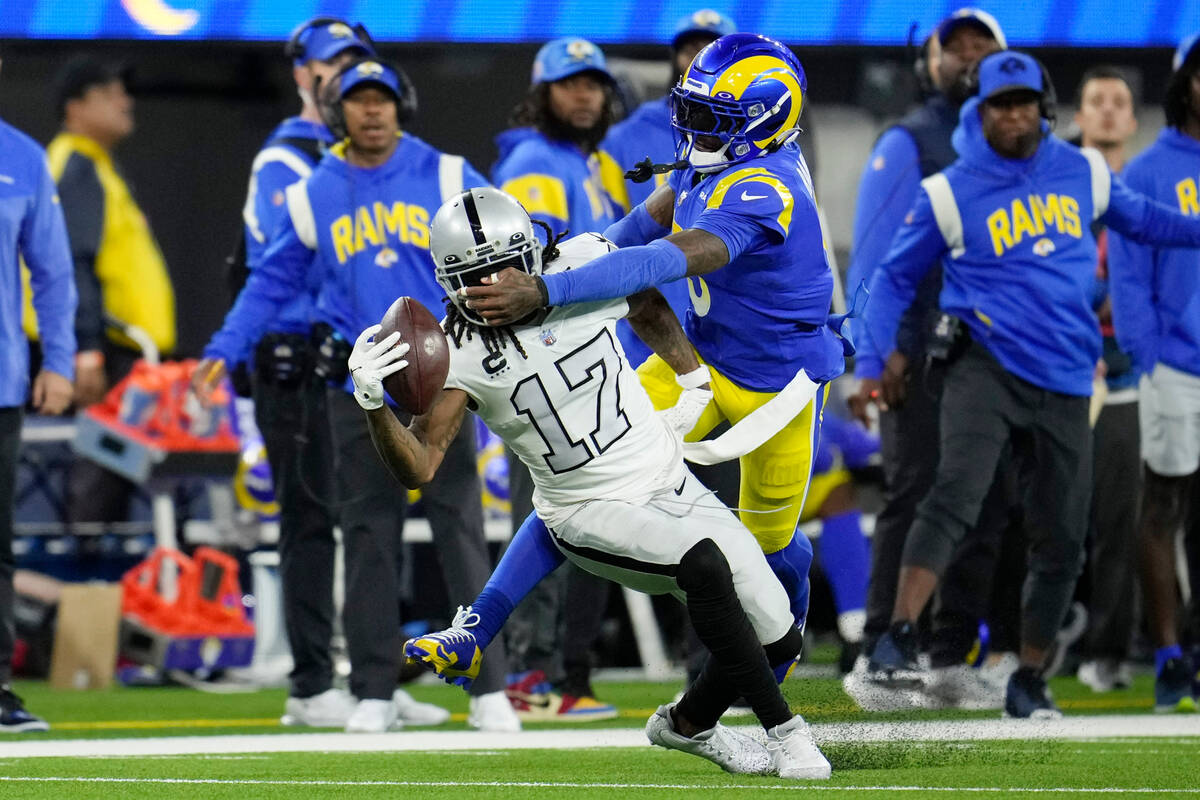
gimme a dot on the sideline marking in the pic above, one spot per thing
(806, 786)
(1089, 728)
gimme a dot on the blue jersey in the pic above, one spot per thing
(361, 234)
(32, 227)
(558, 184)
(761, 318)
(644, 133)
(278, 165)
(1018, 257)
(1156, 290)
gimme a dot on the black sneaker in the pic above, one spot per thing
(893, 661)
(1028, 697)
(13, 716)
(1173, 687)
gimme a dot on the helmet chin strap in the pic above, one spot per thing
(707, 161)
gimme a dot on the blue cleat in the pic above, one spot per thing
(1028, 697)
(893, 660)
(452, 654)
(1173, 687)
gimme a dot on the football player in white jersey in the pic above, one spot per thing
(611, 490)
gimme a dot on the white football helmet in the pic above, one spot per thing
(480, 232)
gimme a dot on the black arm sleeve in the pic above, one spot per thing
(82, 200)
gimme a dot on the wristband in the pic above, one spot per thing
(542, 291)
(694, 379)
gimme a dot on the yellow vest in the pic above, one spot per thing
(134, 284)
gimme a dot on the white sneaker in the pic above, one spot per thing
(794, 752)
(493, 712)
(961, 686)
(413, 712)
(1099, 676)
(730, 750)
(373, 716)
(329, 709)
(872, 696)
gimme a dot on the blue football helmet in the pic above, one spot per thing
(745, 90)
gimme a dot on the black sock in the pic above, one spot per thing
(738, 665)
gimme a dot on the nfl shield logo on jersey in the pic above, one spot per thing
(548, 338)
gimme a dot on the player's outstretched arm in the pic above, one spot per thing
(414, 453)
(655, 323)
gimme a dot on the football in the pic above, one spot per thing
(415, 387)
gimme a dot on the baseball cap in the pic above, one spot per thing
(82, 73)
(1009, 71)
(703, 21)
(370, 72)
(323, 42)
(974, 17)
(562, 58)
(1186, 48)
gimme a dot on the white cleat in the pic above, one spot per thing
(329, 709)
(794, 752)
(872, 696)
(373, 716)
(730, 750)
(493, 712)
(411, 711)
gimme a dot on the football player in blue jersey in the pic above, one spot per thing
(356, 233)
(739, 221)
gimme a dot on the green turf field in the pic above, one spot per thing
(1166, 766)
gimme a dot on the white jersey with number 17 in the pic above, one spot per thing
(572, 408)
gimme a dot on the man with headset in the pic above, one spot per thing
(289, 400)
(918, 146)
(357, 232)
(1009, 223)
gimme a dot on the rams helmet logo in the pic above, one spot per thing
(340, 30)
(369, 68)
(706, 18)
(386, 258)
(580, 49)
(1043, 247)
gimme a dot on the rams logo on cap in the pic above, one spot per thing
(706, 18)
(1012, 65)
(580, 49)
(340, 30)
(369, 68)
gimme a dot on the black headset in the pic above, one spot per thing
(921, 67)
(297, 42)
(1047, 100)
(329, 102)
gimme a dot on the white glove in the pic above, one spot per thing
(371, 361)
(684, 415)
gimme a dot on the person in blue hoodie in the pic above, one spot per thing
(358, 228)
(287, 397)
(1009, 221)
(1156, 312)
(32, 229)
(551, 162)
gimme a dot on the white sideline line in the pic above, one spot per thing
(1089, 728)
(801, 786)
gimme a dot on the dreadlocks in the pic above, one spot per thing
(457, 326)
(1178, 101)
(534, 112)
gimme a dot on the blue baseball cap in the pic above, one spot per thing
(562, 58)
(703, 21)
(1009, 71)
(323, 42)
(1186, 49)
(370, 72)
(976, 18)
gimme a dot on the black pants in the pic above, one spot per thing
(94, 493)
(294, 423)
(1112, 556)
(372, 519)
(909, 436)
(10, 446)
(985, 409)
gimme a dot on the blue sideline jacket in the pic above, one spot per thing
(32, 226)
(361, 235)
(1156, 290)
(1020, 259)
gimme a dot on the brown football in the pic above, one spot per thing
(415, 387)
